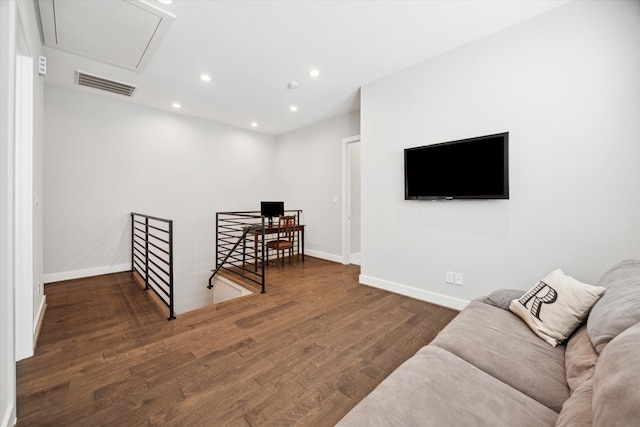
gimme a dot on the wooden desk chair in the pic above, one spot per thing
(286, 230)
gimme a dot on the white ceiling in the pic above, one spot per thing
(253, 49)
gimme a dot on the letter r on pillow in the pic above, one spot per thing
(539, 297)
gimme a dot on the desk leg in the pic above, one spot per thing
(302, 237)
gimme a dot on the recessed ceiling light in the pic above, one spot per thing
(254, 124)
(165, 1)
(205, 77)
(176, 105)
(293, 108)
(314, 73)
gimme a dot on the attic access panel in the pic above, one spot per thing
(122, 32)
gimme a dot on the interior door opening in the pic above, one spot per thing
(351, 200)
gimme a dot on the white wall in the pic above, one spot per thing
(565, 85)
(105, 158)
(309, 163)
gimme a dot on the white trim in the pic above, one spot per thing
(7, 420)
(432, 297)
(323, 255)
(24, 207)
(41, 312)
(7, 220)
(78, 274)
(346, 246)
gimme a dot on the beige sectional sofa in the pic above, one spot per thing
(487, 368)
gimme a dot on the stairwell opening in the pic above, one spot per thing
(225, 289)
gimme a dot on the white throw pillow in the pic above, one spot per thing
(556, 306)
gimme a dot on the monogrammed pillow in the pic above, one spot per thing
(556, 306)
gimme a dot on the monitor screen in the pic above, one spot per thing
(271, 209)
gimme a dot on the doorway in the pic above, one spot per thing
(351, 217)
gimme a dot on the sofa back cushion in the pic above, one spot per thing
(576, 410)
(616, 382)
(619, 306)
(579, 359)
(580, 364)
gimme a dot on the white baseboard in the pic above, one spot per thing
(78, 274)
(432, 297)
(41, 311)
(353, 258)
(8, 419)
(323, 255)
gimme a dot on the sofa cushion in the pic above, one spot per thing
(616, 382)
(619, 307)
(501, 344)
(577, 409)
(501, 298)
(579, 359)
(556, 305)
(436, 388)
(580, 364)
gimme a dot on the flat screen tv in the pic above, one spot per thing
(473, 168)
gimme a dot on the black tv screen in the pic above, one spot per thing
(271, 209)
(473, 168)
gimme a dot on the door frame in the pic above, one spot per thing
(23, 215)
(7, 224)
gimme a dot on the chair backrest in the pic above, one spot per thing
(286, 227)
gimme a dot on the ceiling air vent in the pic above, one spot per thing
(97, 82)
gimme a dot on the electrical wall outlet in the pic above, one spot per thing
(458, 279)
(40, 288)
(449, 277)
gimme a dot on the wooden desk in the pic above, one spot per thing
(256, 231)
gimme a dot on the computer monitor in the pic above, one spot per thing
(271, 209)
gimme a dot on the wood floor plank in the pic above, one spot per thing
(304, 353)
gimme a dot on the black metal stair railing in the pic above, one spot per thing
(232, 231)
(246, 230)
(152, 255)
(240, 245)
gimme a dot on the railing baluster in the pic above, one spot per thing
(262, 251)
(133, 240)
(171, 312)
(146, 253)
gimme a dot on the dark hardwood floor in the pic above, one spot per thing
(304, 353)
